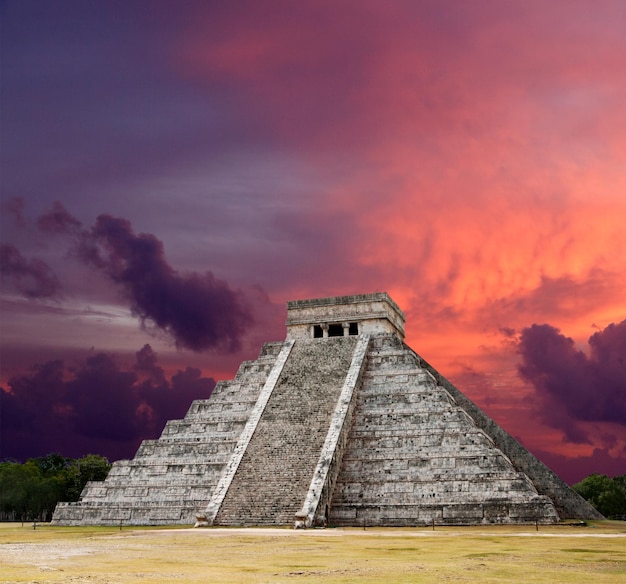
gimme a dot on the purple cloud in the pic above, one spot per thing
(33, 278)
(573, 386)
(573, 469)
(96, 406)
(197, 309)
(58, 220)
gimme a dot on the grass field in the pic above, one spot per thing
(596, 554)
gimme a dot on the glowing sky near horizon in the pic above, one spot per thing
(468, 158)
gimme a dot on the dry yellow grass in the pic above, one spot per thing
(479, 554)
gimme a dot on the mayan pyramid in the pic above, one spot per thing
(341, 424)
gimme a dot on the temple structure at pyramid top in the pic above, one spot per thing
(341, 423)
(341, 316)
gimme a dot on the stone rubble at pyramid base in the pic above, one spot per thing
(349, 430)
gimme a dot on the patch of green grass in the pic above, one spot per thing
(582, 551)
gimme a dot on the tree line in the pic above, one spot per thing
(30, 491)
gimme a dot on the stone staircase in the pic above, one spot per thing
(274, 475)
(171, 479)
(414, 456)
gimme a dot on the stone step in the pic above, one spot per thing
(107, 513)
(443, 438)
(209, 476)
(193, 496)
(184, 450)
(450, 513)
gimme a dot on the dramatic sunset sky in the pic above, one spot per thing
(173, 172)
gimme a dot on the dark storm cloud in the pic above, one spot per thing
(198, 310)
(576, 387)
(573, 469)
(32, 278)
(96, 406)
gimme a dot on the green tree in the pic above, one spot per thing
(91, 467)
(24, 491)
(51, 465)
(30, 491)
(607, 495)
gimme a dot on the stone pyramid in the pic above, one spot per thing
(340, 424)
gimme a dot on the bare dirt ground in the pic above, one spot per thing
(266, 555)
